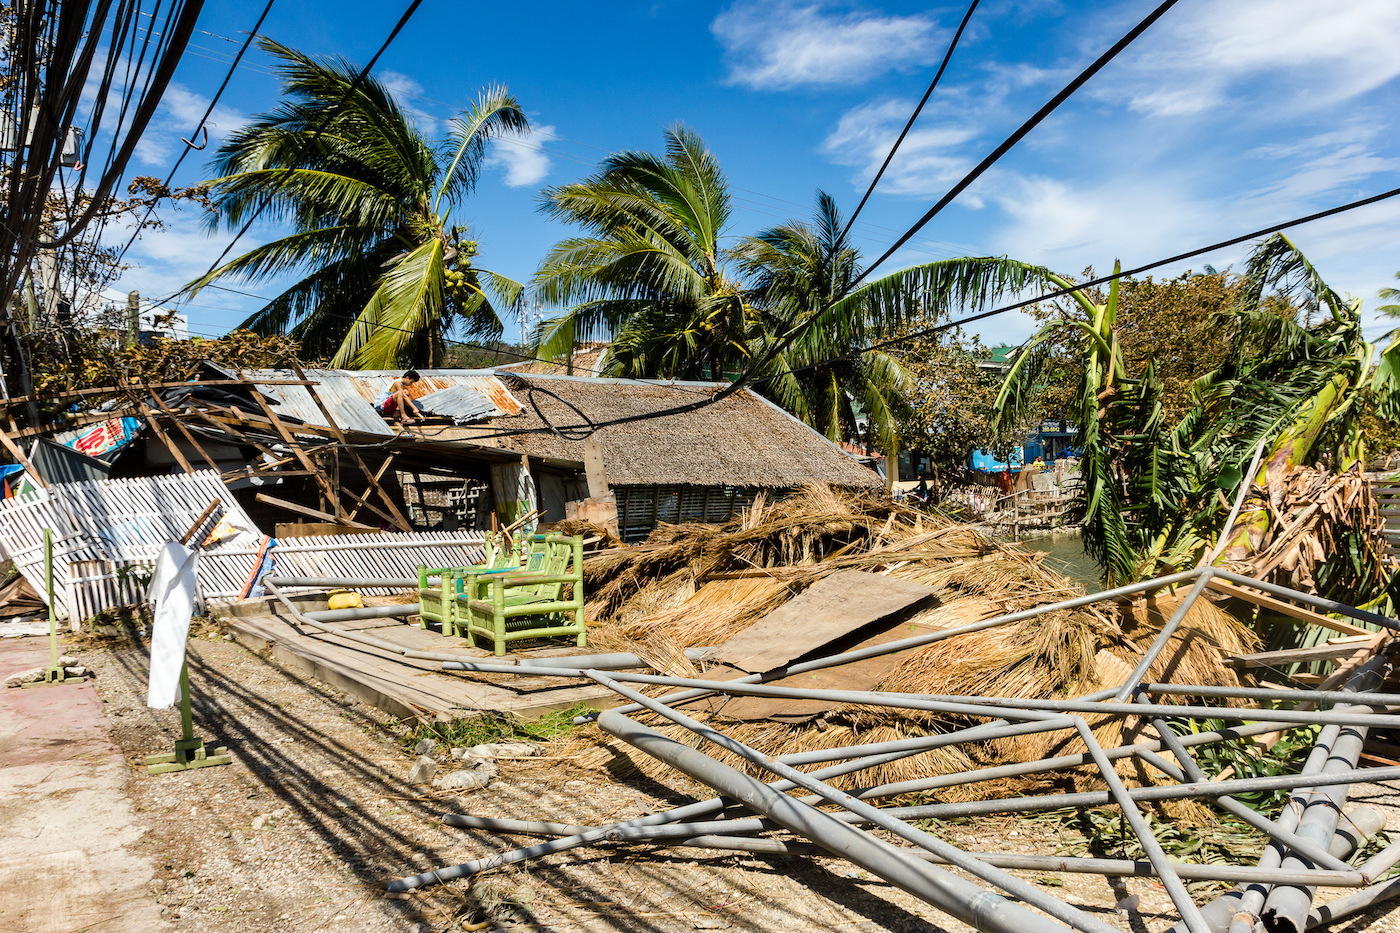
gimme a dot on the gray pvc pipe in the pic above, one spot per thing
(700, 808)
(1286, 910)
(918, 641)
(1219, 912)
(366, 612)
(1317, 602)
(342, 581)
(1130, 685)
(962, 899)
(1353, 903)
(1017, 887)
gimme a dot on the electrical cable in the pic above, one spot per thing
(1006, 145)
(1092, 283)
(947, 56)
(320, 130)
(228, 76)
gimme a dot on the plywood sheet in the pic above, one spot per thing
(858, 675)
(831, 609)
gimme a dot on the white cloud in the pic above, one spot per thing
(399, 84)
(523, 157)
(787, 44)
(1279, 53)
(929, 160)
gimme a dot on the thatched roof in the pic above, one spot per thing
(742, 440)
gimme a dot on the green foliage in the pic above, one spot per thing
(495, 726)
(1289, 369)
(953, 408)
(369, 198)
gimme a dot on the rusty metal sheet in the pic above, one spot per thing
(829, 610)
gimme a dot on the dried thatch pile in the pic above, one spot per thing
(695, 585)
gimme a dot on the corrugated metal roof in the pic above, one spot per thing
(463, 404)
(349, 394)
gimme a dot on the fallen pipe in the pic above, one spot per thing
(918, 641)
(281, 580)
(1286, 910)
(1364, 822)
(364, 612)
(1353, 903)
(699, 808)
(1005, 706)
(1345, 877)
(1308, 599)
(962, 899)
(1125, 692)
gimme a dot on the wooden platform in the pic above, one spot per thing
(405, 687)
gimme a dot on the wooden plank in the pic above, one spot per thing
(395, 517)
(857, 675)
(1290, 610)
(326, 488)
(160, 433)
(1341, 648)
(22, 460)
(308, 510)
(358, 499)
(188, 435)
(831, 609)
(71, 422)
(405, 687)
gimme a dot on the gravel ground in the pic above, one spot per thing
(302, 831)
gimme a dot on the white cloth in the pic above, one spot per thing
(173, 590)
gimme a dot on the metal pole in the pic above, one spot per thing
(1006, 706)
(1264, 693)
(1353, 903)
(1189, 771)
(1024, 890)
(1286, 910)
(700, 808)
(291, 580)
(48, 582)
(918, 641)
(1125, 693)
(1317, 602)
(366, 612)
(964, 900)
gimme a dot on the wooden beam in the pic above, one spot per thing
(307, 510)
(1339, 648)
(306, 461)
(22, 460)
(170, 445)
(189, 435)
(397, 516)
(1264, 601)
(75, 421)
(378, 475)
(112, 390)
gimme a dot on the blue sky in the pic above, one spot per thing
(1226, 116)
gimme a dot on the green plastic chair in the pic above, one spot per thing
(439, 603)
(510, 605)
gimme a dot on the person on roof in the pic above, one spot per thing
(394, 402)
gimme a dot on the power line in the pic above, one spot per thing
(1006, 145)
(1050, 107)
(325, 123)
(228, 76)
(947, 56)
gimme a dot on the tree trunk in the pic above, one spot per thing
(1291, 449)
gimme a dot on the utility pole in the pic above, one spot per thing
(133, 318)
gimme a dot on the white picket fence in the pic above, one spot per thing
(386, 554)
(108, 533)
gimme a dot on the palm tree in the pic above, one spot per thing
(648, 272)
(369, 197)
(1390, 294)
